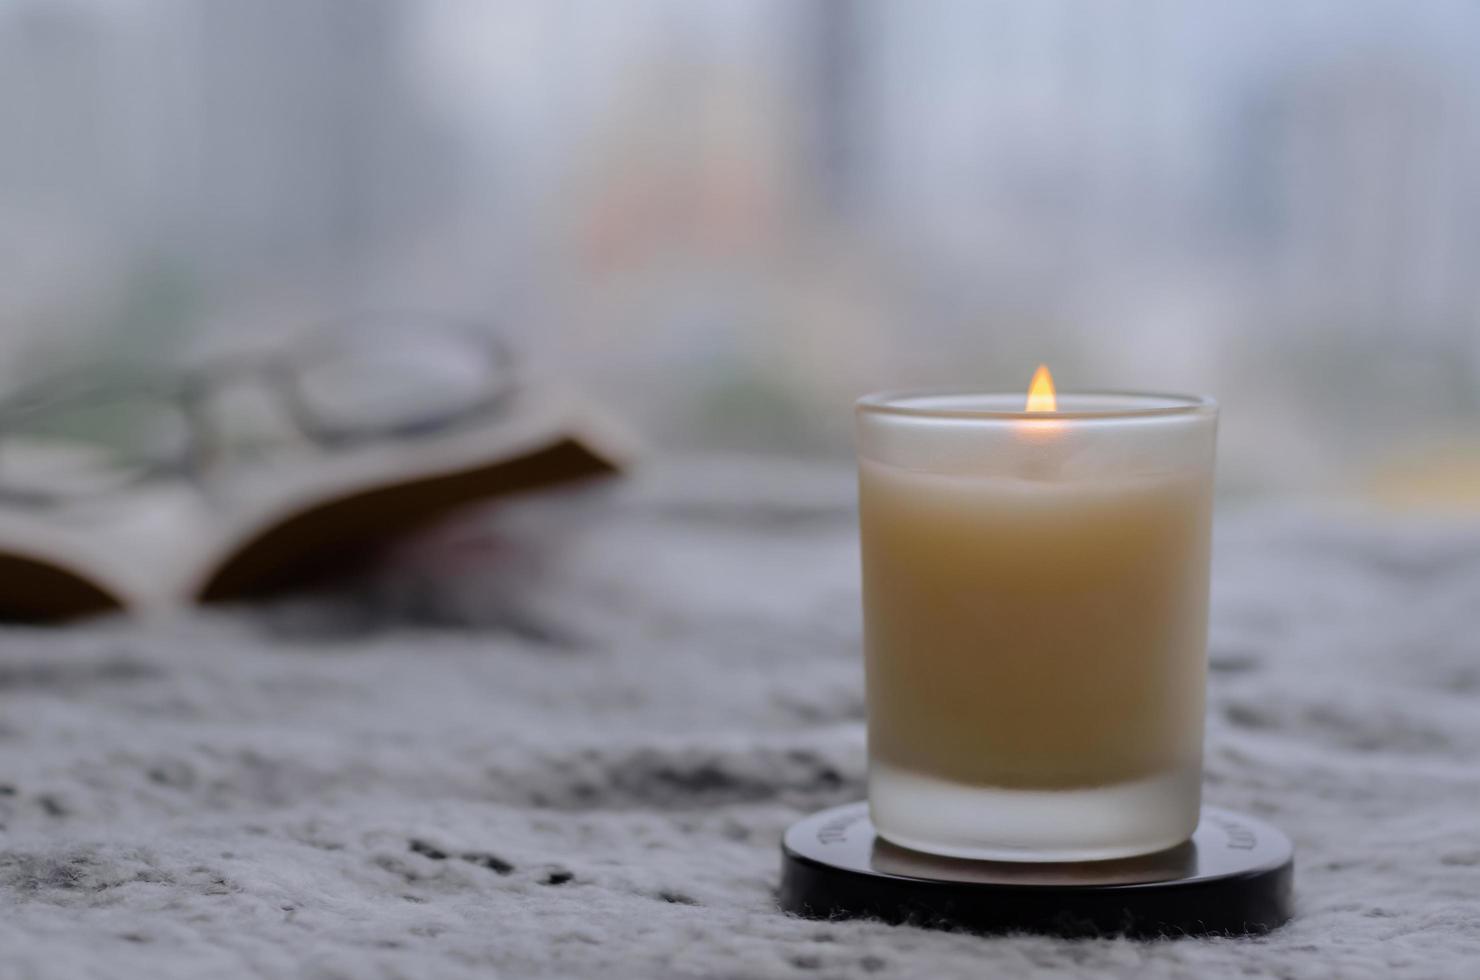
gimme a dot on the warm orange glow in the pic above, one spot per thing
(1041, 396)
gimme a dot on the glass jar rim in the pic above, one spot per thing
(969, 404)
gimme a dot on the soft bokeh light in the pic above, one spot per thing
(727, 219)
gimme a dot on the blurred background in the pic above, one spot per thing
(725, 220)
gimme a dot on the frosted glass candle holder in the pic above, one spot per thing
(1035, 611)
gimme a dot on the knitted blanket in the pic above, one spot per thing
(564, 739)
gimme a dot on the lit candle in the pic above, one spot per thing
(1035, 604)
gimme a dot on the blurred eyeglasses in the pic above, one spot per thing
(358, 381)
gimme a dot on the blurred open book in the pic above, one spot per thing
(288, 525)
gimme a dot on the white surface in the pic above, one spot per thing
(256, 796)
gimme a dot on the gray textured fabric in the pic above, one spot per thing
(594, 781)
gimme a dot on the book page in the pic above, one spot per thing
(265, 527)
(288, 523)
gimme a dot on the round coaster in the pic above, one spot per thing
(1234, 877)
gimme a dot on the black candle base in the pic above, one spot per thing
(1234, 877)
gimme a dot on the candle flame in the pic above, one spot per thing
(1041, 397)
